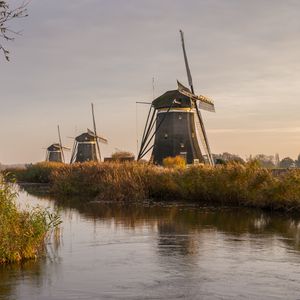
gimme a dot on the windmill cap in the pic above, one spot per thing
(54, 147)
(86, 137)
(166, 100)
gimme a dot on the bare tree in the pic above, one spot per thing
(266, 161)
(6, 15)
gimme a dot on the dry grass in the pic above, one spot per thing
(231, 184)
(36, 173)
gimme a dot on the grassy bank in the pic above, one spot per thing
(22, 234)
(233, 184)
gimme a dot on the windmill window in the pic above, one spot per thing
(180, 117)
(182, 145)
(166, 135)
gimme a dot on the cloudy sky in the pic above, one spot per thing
(243, 54)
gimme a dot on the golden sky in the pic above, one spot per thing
(243, 54)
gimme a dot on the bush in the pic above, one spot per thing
(22, 234)
(119, 155)
(174, 162)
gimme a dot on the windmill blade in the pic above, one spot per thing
(199, 131)
(74, 150)
(205, 103)
(198, 101)
(186, 91)
(95, 131)
(60, 144)
(102, 140)
(202, 135)
(190, 80)
(143, 102)
(66, 148)
(91, 132)
(182, 88)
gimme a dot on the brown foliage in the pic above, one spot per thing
(231, 184)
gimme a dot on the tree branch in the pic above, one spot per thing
(6, 15)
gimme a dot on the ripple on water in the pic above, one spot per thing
(152, 251)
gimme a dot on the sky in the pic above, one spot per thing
(243, 54)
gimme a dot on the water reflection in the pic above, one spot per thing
(11, 274)
(159, 250)
(180, 220)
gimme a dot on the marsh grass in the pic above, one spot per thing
(22, 233)
(232, 184)
(35, 173)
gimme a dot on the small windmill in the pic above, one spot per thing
(55, 152)
(175, 124)
(86, 146)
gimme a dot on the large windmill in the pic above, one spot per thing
(175, 124)
(55, 152)
(86, 145)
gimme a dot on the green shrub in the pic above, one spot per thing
(22, 233)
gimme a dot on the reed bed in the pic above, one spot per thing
(22, 233)
(35, 173)
(232, 184)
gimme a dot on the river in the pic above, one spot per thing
(160, 251)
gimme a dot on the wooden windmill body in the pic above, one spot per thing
(175, 126)
(55, 152)
(86, 145)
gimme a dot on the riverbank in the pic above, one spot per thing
(232, 184)
(22, 233)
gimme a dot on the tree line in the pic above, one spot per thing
(265, 161)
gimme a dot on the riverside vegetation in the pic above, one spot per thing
(22, 233)
(231, 184)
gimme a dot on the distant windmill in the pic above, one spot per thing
(86, 146)
(55, 152)
(175, 123)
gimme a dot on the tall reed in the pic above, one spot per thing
(231, 184)
(22, 233)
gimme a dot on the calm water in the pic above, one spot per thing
(115, 251)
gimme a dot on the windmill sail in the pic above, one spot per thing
(188, 71)
(100, 138)
(95, 131)
(175, 125)
(203, 102)
(86, 145)
(200, 99)
(60, 143)
(185, 90)
(201, 137)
